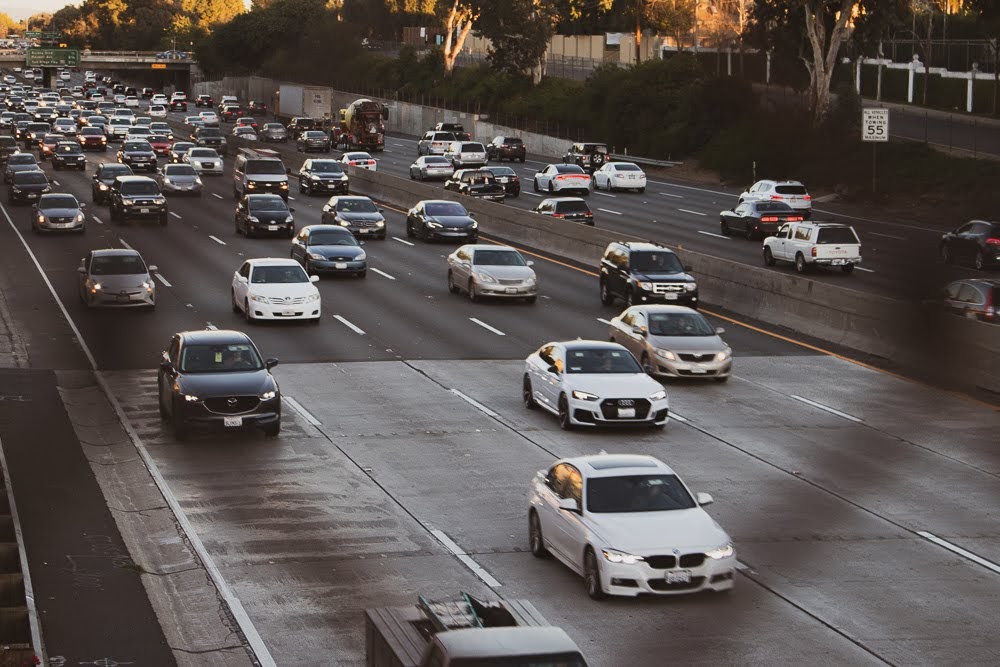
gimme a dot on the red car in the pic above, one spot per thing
(231, 112)
(161, 144)
(92, 138)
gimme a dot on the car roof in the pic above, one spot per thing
(557, 200)
(616, 465)
(490, 246)
(273, 261)
(472, 643)
(663, 308)
(643, 245)
(437, 201)
(216, 336)
(328, 228)
(115, 252)
(263, 195)
(779, 182)
(350, 197)
(134, 179)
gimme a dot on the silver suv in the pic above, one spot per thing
(792, 193)
(259, 171)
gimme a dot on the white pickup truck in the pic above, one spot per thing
(811, 244)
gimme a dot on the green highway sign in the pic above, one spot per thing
(32, 34)
(52, 57)
(51, 35)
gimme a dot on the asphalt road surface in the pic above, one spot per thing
(863, 505)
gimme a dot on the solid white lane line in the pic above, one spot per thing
(604, 194)
(674, 415)
(608, 210)
(886, 236)
(97, 220)
(533, 194)
(474, 403)
(603, 321)
(827, 408)
(175, 215)
(162, 280)
(350, 325)
(954, 548)
(859, 268)
(487, 327)
(396, 238)
(125, 243)
(667, 194)
(217, 195)
(685, 210)
(381, 273)
(217, 239)
(301, 410)
(718, 236)
(459, 553)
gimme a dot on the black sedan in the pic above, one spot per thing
(441, 219)
(217, 380)
(27, 186)
(977, 242)
(177, 151)
(359, 215)
(264, 214)
(508, 178)
(313, 140)
(757, 218)
(323, 176)
(57, 212)
(329, 249)
(105, 175)
(69, 155)
(138, 155)
(19, 162)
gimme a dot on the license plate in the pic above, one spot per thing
(698, 371)
(363, 231)
(503, 180)
(670, 296)
(682, 577)
(123, 298)
(231, 422)
(32, 195)
(272, 228)
(511, 290)
(340, 265)
(626, 412)
(143, 210)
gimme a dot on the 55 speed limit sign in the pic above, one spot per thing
(874, 125)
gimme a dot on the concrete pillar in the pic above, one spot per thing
(968, 90)
(729, 60)
(857, 76)
(767, 71)
(914, 65)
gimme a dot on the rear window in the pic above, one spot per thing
(828, 235)
(790, 189)
(473, 148)
(572, 207)
(773, 206)
(512, 141)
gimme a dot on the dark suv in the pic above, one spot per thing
(977, 242)
(506, 148)
(209, 137)
(454, 128)
(105, 175)
(590, 156)
(639, 272)
(974, 298)
(300, 125)
(217, 380)
(137, 197)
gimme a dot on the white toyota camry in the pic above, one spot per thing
(275, 289)
(628, 525)
(592, 383)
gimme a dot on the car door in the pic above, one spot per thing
(623, 329)
(619, 275)
(569, 532)
(546, 177)
(548, 509)
(84, 274)
(300, 245)
(241, 283)
(779, 247)
(547, 383)
(975, 239)
(305, 171)
(462, 266)
(971, 300)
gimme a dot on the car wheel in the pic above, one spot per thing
(302, 188)
(946, 254)
(535, 184)
(535, 540)
(271, 430)
(473, 297)
(642, 190)
(564, 419)
(847, 269)
(724, 228)
(607, 298)
(531, 299)
(236, 223)
(409, 230)
(236, 306)
(452, 287)
(647, 365)
(592, 576)
(246, 311)
(800, 263)
(552, 188)
(412, 177)
(362, 274)
(527, 395)
(768, 257)
(977, 262)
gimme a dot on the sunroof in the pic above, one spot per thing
(608, 462)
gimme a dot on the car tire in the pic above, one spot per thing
(535, 184)
(564, 417)
(724, 228)
(800, 263)
(271, 430)
(552, 188)
(647, 365)
(531, 299)
(452, 287)
(473, 297)
(642, 190)
(409, 230)
(592, 576)
(607, 298)
(768, 257)
(977, 262)
(232, 298)
(164, 415)
(722, 378)
(527, 394)
(847, 269)
(535, 540)
(247, 315)
(236, 224)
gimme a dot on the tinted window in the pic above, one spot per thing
(265, 167)
(209, 132)
(637, 493)
(601, 360)
(512, 141)
(436, 159)
(21, 158)
(773, 206)
(136, 146)
(356, 206)
(140, 188)
(445, 208)
(498, 258)
(503, 171)
(30, 178)
(327, 168)
(626, 167)
(663, 261)
(292, 273)
(679, 324)
(200, 152)
(569, 169)
(268, 204)
(829, 235)
(112, 265)
(790, 189)
(332, 238)
(58, 201)
(573, 207)
(179, 170)
(472, 148)
(220, 358)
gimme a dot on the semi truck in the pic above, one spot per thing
(309, 101)
(466, 632)
(362, 126)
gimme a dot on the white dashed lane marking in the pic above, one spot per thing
(217, 239)
(163, 280)
(217, 195)
(685, 210)
(353, 327)
(175, 215)
(608, 210)
(718, 236)
(381, 273)
(487, 327)
(396, 238)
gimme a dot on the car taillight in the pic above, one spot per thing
(988, 310)
(807, 197)
(992, 241)
(352, 162)
(769, 218)
(814, 251)
(776, 197)
(793, 218)
(558, 215)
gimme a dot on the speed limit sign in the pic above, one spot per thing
(874, 125)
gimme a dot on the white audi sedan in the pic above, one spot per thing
(275, 289)
(628, 525)
(589, 383)
(620, 176)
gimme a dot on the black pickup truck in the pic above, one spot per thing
(454, 128)
(477, 183)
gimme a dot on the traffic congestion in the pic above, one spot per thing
(233, 222)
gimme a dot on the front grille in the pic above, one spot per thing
(609, 407)
(692, 560)
(232, 405)
(341, 259)
(59, 221)
(661, 562)
(704, 356)
(662, 585)
(510, 282)
(664, 288)
(286, 301)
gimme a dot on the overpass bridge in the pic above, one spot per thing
(155, 72)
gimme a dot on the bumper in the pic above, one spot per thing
(144, 212)
(639, 578)
(174, 188)
(840, 261)
(764, 228)
(198, 416)
(266, 189)
(94, 145)
(212, 170)
(59, 227)
(443, 175)
(329, 266)
(368, 232)
(438, 234)
(75, 164)
(332, 187)
(510, 155)
(316, 147)
(692, 369)
(497, 198)
(24, 197)
(506, 291)
(278, 228)
(148, 165)
(135, 299)
(299, 311)
(590, 413)
(689, 299)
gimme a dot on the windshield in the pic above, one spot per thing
(356, 206)
(637, 493)
(542, 660)
(291, 273)
(830, 235)
(110, 170)
(137, 146)
(30, 178)
(679, 324)
(220, 358)
(790, 189)
(445, 209)
(327, 168)
(58, 201)
(315, 135)
(267, 204)
(179, 170)
(498, 258)
(21, 158)
(68, 148)
(601, 360)
(140, 188)
(115, 265)
(265, 167)
(656, 262)
(183, 146)
(209, 132)
(91, 132)
(332, 238)
(202, 152)
(159, 139)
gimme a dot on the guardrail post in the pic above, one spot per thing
(914, 64)
(968, 90)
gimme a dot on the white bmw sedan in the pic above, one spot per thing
(592, 383)
(628, 525)
(275, 289)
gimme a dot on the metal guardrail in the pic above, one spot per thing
(625, 157)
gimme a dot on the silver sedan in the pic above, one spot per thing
(116, 277)
(673, 341)
(429, 167)
(491, 271)
(178, 179)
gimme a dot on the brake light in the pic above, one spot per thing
(993, 241)
(988, 310)
(558, 215)
(807, 197)
(794, 218)
(814, 251)
(769, 218)
(352, 162)
(776, 197)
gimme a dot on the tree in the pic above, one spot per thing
(459, 17)
(519, 32)
(211, 12)
(671, 17)
(987, 13)
(7, 24)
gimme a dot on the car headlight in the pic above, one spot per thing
(284, 186)
(95, 288)
(254, 219)
(167, 181)
(658, 396)
(380, 223)
(584, 396)
(725, 551)
(666, 354)
(644, 285)
(289, 219)
(360, 258)
(41, 218)
(343, 223)
(190, 398)
(79, 217)
(258, 297)
(315, 177)
(316, 256)
(486, 278)
(312, 297)
(102, 186)
(474, 225)
(15, 189)
(690, 287)
(434, 225)
(268, 395)
(197, 180)
(725, 354)
(614, 556)
(251, 186)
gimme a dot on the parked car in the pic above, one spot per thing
(573, 209)
(977, 242)
(116, 277)
(491, 271)
(58, 212)
(792, 193)
(506, 148)
(757, 218)
(639, 272)
(329, 249)
(358, 214)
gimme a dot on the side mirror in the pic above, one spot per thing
(554, 370)
(166, 367)
(472, 215)
(569, 505)
(83, 205)
(687, 267)
(81, 269)
(719, 331)
(288, 170)
(703, 498)
(361, 242)
(153, 268)
(314, 279)
(272, 362)
(530, 262)
(291, 210)
(381, 210)
(640, 331)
